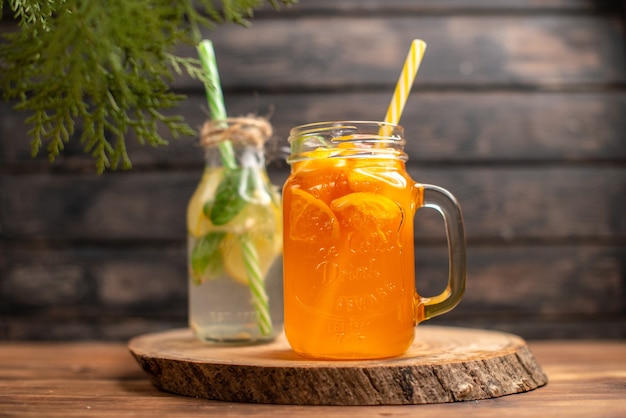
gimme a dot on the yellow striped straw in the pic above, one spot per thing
(403, 87)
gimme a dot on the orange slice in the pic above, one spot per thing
(379, 178)
(324, 178)
(311, 220)
(368, 216)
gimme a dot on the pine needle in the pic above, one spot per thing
(89, 64)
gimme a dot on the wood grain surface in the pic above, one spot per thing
(443, 365)
(586, 379)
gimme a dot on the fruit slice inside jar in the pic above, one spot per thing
(267, 247)
(197, 222)
(368, 218)
(323, 176)
(311, 220)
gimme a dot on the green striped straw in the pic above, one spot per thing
(217, 109)
(215, 98)
(255, 281)
(214, 92)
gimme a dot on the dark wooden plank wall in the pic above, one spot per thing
(519, 109)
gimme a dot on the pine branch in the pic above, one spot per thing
(90, 64)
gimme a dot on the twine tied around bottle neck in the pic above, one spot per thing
(245, 130)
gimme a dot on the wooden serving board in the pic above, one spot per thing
(443, 365)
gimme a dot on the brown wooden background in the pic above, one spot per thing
(519, 109)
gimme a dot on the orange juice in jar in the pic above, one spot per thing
(348, 208)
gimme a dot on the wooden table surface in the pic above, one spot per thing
(96, 379)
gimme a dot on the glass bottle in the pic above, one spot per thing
(234, 227)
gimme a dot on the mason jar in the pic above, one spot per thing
(348, 209)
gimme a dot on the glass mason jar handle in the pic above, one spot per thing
(445, 203)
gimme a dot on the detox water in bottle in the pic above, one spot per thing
(234, 226)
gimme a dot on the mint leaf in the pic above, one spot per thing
(206, 260)
(232, 195)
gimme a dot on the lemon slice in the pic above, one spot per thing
(267, 247)
(197, 222)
